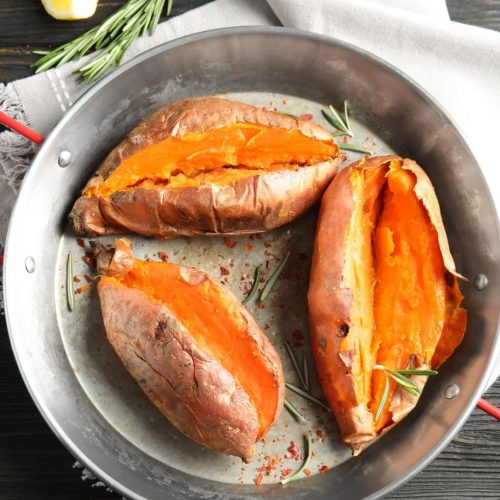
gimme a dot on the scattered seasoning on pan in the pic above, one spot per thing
(273, 278)
(88, 258)
(70, 294)
(322, 468)
(87, 278)
(306, 395)
(308, 451)
(229, 243)
(295, 364)
(255, 286)
(294, 412)
(163, 256)
(80, 242)
(224, 270)
(76, 279)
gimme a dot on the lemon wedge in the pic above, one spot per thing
(69, 10)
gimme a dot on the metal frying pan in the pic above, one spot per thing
(73, 375)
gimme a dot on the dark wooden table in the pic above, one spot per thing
(34, 464)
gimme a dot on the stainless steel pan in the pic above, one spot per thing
(75, 379)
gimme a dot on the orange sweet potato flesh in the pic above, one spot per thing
(384, 293)
(211, 317)
(228, 153)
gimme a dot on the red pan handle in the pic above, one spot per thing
(18, 127)
(489, 408)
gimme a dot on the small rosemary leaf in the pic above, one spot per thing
(403, 381)
(308, 454)
(331, 120)
(295, 364)
(70, 293)
(352, 147)
(383, 399)
(255, 286)
(337, 116)
(346, 115)
(273, 278)
(305, 368)
(40, 52)
(417, 372)
(169, 7)
(294, 412)
(306, 395)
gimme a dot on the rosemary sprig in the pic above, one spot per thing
(306, 395)
(111, 37)
(399, 376)
(347, 146)
(308, 453)
(294, 412)
(295, 364)
(334, 119)
(255, 286)
(273, 278)
(70, 293)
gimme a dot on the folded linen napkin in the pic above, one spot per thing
(458, 64)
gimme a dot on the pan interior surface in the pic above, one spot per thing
(73, 375)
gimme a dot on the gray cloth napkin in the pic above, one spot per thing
(458, 64)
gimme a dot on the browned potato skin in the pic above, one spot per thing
(181, 380)
(254, 204)
(330, 303)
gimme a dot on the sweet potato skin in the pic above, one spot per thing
(253, 204)
(330, 302)
(198, 395)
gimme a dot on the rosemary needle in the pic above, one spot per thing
(70, 294)
(308, 453)
(306, 395)
(347, 146)
(294, 412)
(295, 364)
(273, 278)
(255, 286)
(383, 399)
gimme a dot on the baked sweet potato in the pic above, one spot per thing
(208, 166)
(383, 292)
(193, 348)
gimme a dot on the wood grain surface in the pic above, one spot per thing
(34, 464)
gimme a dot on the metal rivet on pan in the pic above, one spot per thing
(29, 264)
(452, 391)
(64, 159)
(481, 281)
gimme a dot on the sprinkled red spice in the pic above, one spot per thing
(267, 244)
(320, 433)
(163, 256)
(224, 270)
(261, 305)
(88, 258)
(80, 242)
(231, 262)
(248, 247)
(307, 472)
(322, 468)
(229, 243)
(258, 479)
(285, 473)
(294, 452)
(306, 116)
(87, 278)
(76, 279)
(345, 139)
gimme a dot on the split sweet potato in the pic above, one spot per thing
(208, 166)
(192, 347)
(383, 292)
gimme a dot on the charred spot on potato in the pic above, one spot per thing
(343, 330)
(322, 342)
